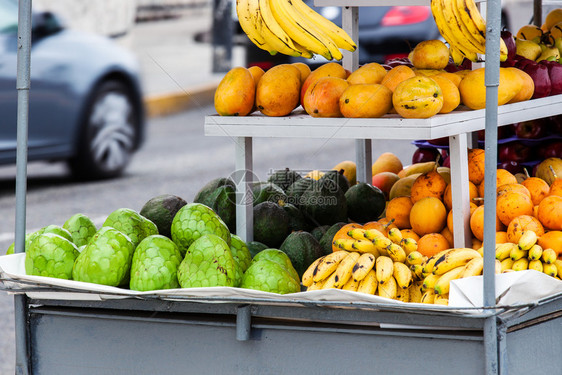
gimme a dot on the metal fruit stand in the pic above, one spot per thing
(61, 330)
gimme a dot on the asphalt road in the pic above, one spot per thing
(176, 159)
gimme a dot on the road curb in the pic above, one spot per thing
(166, 104)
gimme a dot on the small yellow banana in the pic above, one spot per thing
(365, 246)
(344, 243)
(429, 264)
(307, 275)
(453, 259)
(369, 283)
(357, 233)
(328, 265)
(417, 270)
(396, 253)
(403, 295)
(441, 300)
(428, 296)
(527, 239)
(395, 235)
(498, 268)
(384, 268)
(517, 253)
(429, 282)
(409, 244)
(550, 269)
(558, 264)
(403, 275)
(382, 243)
(388, 289)
(535, 252)
(330, 282)
(443, 284)
(535, 265)
(474, 267)
(351, 285)
(345, 268)
(415, 257)
(371, 234)
(520, 264)
(503, 250)
(317, 285)
(549, 256)
(414, 292)
(506, 264)
(364, 264)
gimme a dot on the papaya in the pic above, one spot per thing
(365, 202)
(296, 190)
(284, 178)
(297, 220)
(271, 224)
(223, 202)
(326, 240)
(303, 249)
(324, 205)
(203, 193)
(235, 93)
(318, 232)
(337, 179)
(268, 191)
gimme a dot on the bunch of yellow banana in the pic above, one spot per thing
(292, 28)
(528, 254)
(463, 27)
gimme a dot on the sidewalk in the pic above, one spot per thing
(176, 70)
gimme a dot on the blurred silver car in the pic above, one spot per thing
(86, 104)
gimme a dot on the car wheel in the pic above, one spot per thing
(108, 134)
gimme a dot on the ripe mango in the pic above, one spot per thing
(235, 93)
(277, 92)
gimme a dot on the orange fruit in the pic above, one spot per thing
(342, 233)
(552, 240)
(476, 166)
(399, 209)
(477, 223)
(449, 236)
(473, 207)
(522, 223)
(430, 184)
(432, 243)
(448, 194)
(556, 187)
(513, 187)
(501, 237)
(503, 177)
(511, 204)
(550, 212)
(428, 215)
(396, 75)
(409, 233)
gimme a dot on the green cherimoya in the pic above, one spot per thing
(81, 227)
(269, 276)
(155, 264)
(131, 223)
(106, 259)
(280, 257)
(241, 255)
(55, 229)
(195, 220)
(50, 255)
(208, 262)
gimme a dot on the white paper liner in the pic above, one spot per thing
(512, 288)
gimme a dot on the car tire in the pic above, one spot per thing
(108, 135)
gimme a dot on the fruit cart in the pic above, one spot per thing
(63, 328)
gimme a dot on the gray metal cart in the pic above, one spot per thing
(253, 336)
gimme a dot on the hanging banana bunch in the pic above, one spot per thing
(292, 28)
(463, 27)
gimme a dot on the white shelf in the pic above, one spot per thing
(301, 125)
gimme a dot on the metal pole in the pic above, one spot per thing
(492, 79)
(22, 85)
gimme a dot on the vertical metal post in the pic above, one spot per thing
(244, 198)
(537, 12)
(492, 79)
(22, 86)
(243, 323)
(460, 191)
(222, 35)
